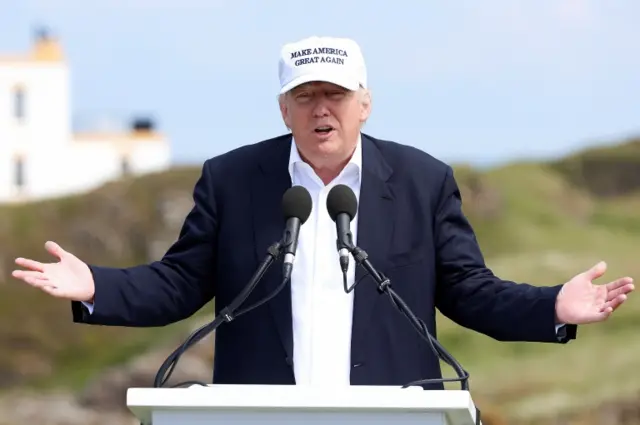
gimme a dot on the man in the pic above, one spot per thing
(409, 221)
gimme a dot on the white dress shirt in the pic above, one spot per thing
(321, 310)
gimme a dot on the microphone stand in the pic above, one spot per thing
(384, 287)
(226, 315)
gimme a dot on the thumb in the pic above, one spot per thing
(597, 270)
(54, 249)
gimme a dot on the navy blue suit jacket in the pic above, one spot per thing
(411, 225)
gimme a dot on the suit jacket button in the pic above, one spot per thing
(289, 361)
(357, 365)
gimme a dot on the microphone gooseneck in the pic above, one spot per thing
(342, 206)
(226, 315)
(296, 207)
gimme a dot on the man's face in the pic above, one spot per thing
(325, 120)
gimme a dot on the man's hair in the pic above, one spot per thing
(361, 93)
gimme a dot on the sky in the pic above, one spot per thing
(481, 82)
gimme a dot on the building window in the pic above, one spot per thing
(125, 167)
(19, 103)
(19, 179)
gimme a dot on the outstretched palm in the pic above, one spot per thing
(582, 302)
(69, 278)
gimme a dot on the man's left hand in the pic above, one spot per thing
(581, 302)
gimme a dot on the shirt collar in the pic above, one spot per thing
(354, 162)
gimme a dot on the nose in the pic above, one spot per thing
(320, 108)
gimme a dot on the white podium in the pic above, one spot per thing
(289, 404)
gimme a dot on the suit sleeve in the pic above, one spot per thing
(471, 295)
(167, 290)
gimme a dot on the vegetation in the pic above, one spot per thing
(539, 223)
(124, 223)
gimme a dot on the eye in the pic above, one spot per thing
(303, 96)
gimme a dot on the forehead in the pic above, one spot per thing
(318, 86)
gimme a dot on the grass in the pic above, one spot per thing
(533, 224)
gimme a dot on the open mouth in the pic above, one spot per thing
(325, 129)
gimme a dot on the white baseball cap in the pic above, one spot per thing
(333, 60)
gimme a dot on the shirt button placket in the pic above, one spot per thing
(318, 292)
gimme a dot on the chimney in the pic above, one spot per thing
(143, 125)
(41, 33)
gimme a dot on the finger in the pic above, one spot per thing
(36, 282)
(54, 249)
(612, 305)
(618, 283)
(624, 289)
(605, 314)
(596, 271)
(21, 274)
(30, 264)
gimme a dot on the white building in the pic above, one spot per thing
(40, 154)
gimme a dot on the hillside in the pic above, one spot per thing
(536, 222)
(121, 224)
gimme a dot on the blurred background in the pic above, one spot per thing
(109, 108)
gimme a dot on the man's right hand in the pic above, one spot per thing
(69, 278)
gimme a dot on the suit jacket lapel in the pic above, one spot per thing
(375, 227)
(268, 223)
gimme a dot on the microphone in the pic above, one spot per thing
(296, 208)
(342, 204)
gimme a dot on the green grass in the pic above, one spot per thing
(534, 223)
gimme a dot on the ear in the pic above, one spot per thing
(365, 105)
(284, 110)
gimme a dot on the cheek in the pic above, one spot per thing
(294, 119)
(349, 117)
(300, 117)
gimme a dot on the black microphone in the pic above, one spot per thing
(342, 206)
(296, 208)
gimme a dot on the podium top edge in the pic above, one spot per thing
(293, 396)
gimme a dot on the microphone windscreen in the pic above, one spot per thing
(296, 202)
(341, 199)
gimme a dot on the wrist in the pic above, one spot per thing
(558, 315)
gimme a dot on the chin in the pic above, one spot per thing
(328, 147)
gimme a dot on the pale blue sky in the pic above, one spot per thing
(477, 81)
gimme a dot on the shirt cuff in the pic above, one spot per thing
(89, 307)
(561, 332)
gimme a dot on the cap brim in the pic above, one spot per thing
(338, 79)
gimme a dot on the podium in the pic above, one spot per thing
(291, 404)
